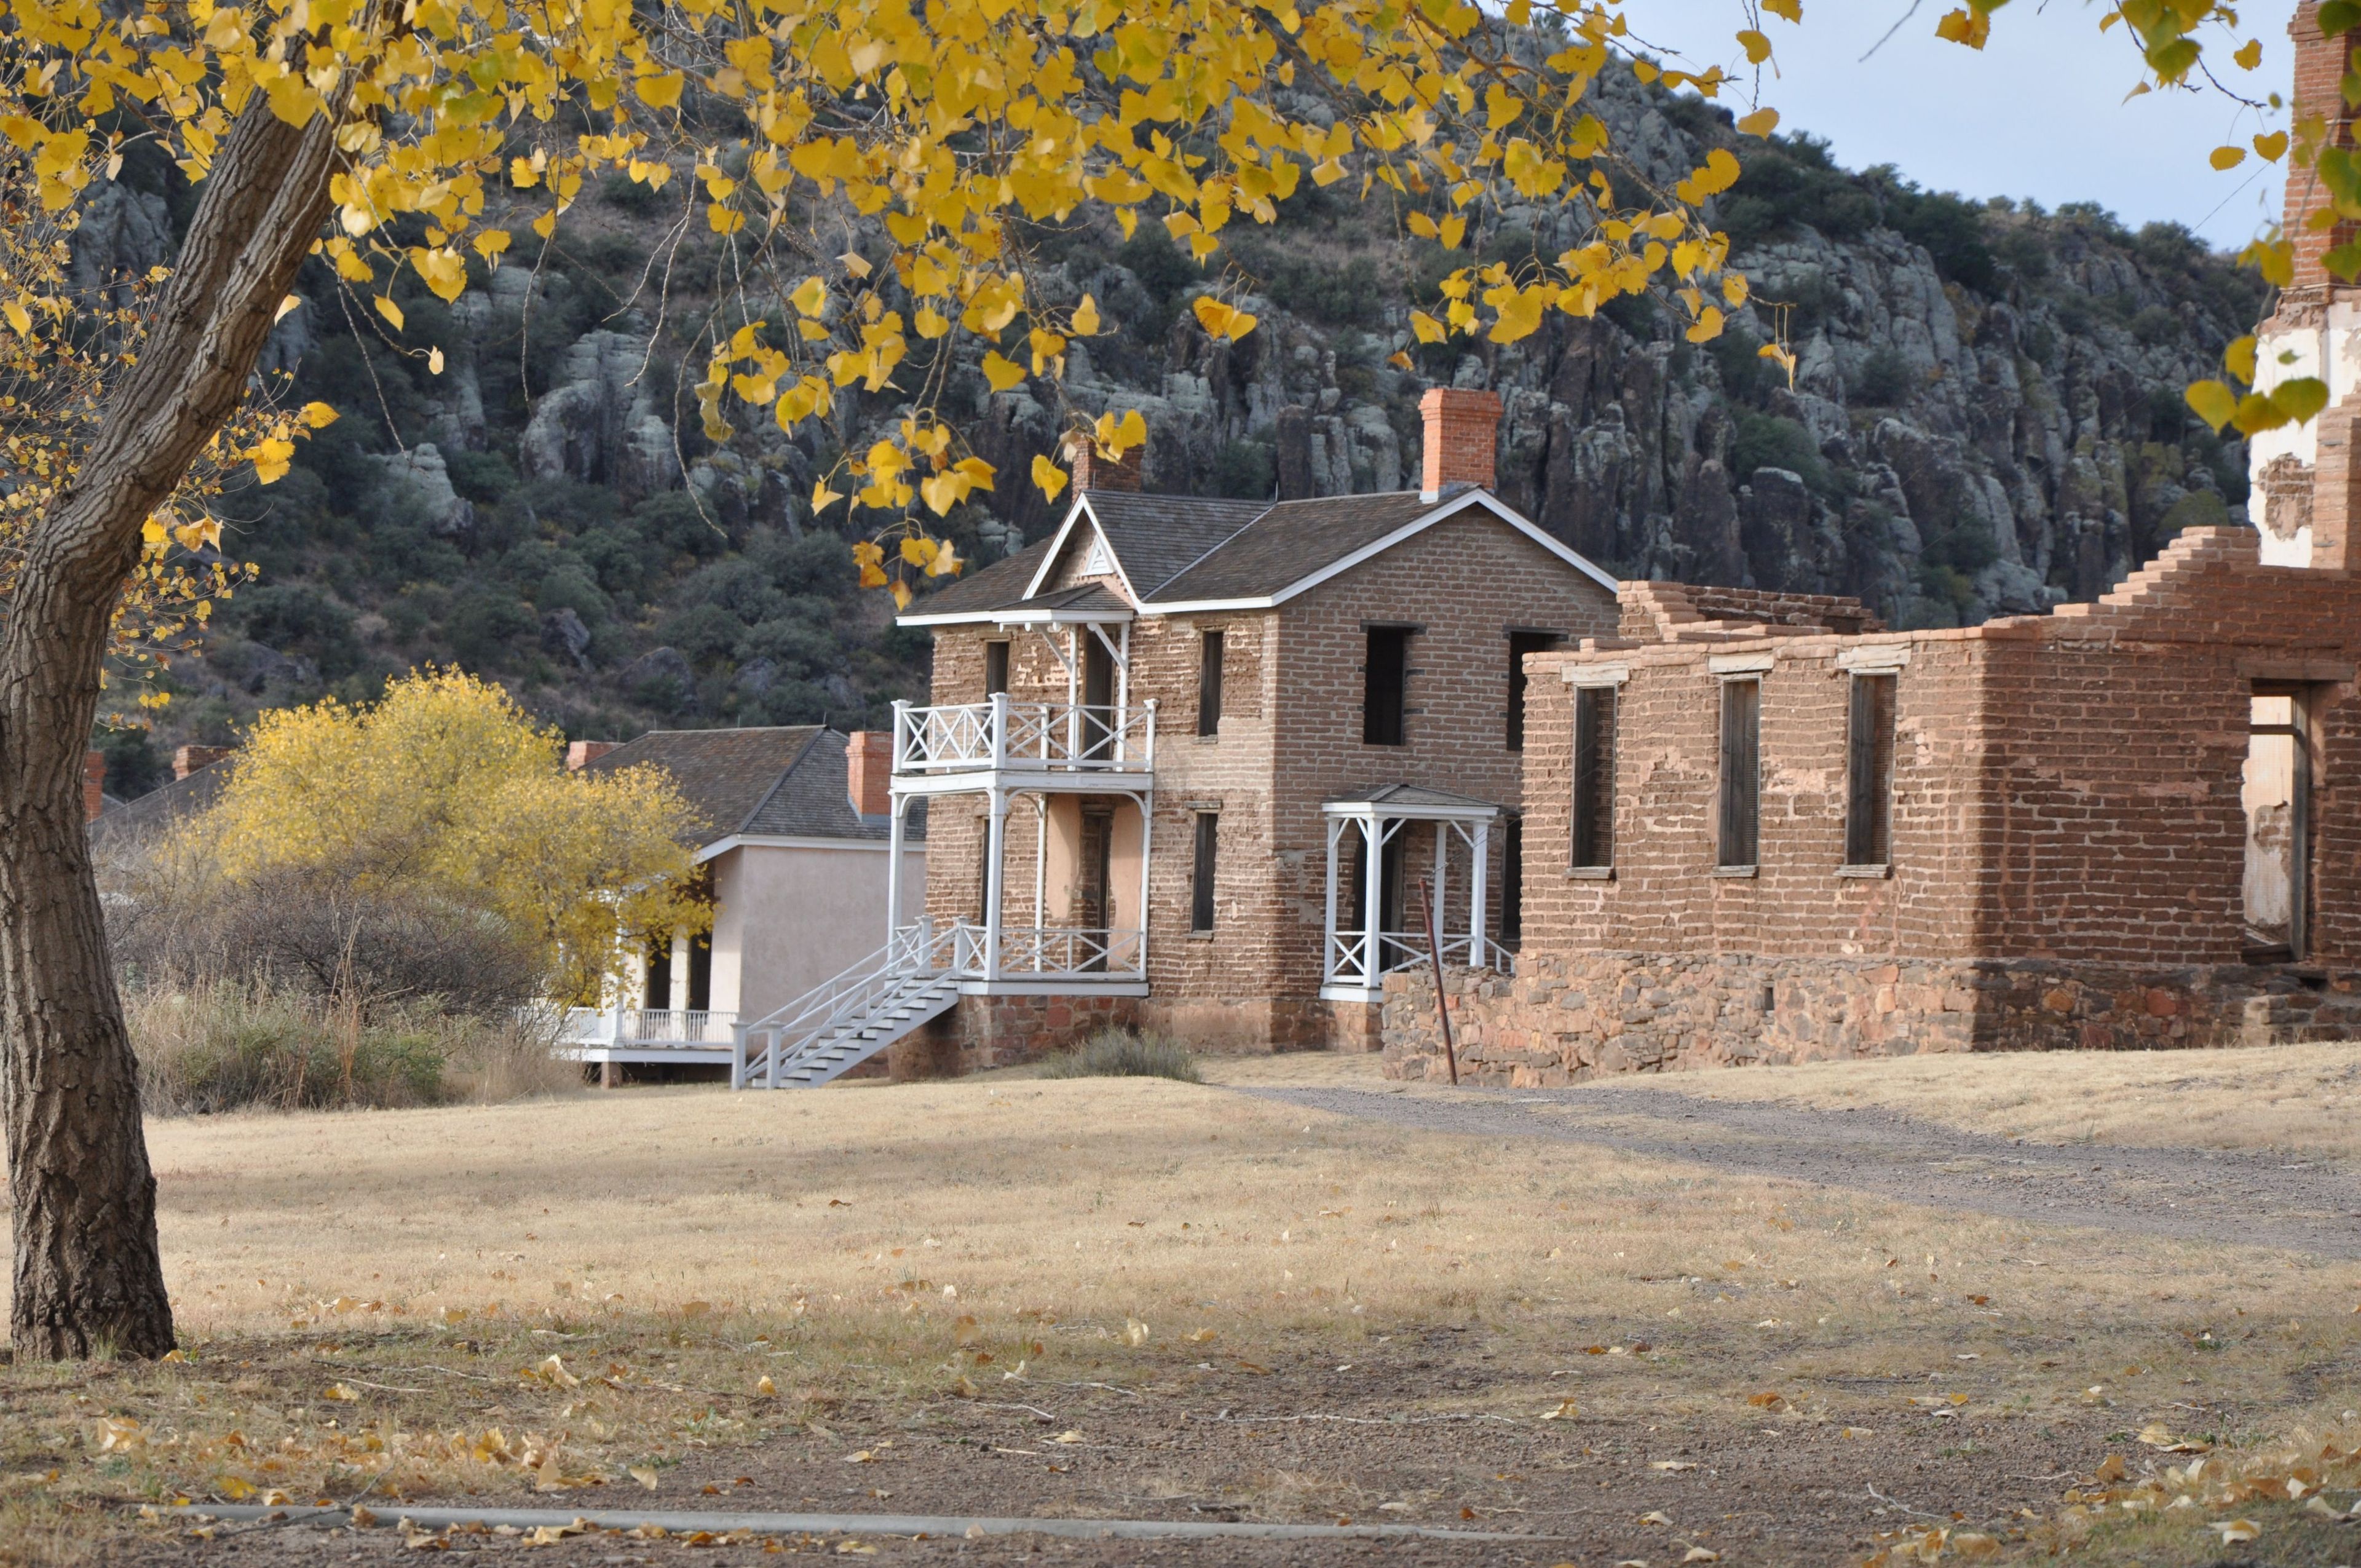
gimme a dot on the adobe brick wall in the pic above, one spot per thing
(1461, 426)
(2065, 807)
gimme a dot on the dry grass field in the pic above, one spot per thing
(1138, 1298)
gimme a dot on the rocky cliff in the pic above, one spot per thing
(1984, 418)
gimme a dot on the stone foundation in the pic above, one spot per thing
(1004, 1031)
(1562, 1019)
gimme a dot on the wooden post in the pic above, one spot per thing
(1441, 1004)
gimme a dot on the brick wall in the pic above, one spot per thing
(2066, 807)
(2320, 66)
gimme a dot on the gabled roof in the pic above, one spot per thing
(784, 781)
(1408, 800)
(162, 806)
(1183, 553)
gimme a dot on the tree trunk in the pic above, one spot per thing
(88, 1277)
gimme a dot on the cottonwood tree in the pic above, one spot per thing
(447, 792)
(396, 135)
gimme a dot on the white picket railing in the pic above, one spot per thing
(1058, 736)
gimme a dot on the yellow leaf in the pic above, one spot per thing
(724, 220)
(2213, 402)
(1048, 475)
(389, 310)
(292, 302)
(318, 416)
(434, 362)
(823, 498)
(1002, 371)
(1086, 318)
(1756, 45)
(919, 552)
(1426, 328)
(342, 1391)
(1971, 28)
(2239, 358)
(2227, 156)
(660, 92)
(1760, 123)
(901, 594)
(1708, 327)
(270, 459)
(810, 297)
(2249, 55)
(1222, 321)
(2269, 148)
(2301, 398)
(19, 318)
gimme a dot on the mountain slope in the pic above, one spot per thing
(1985, 417)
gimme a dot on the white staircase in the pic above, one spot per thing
(836, 1026)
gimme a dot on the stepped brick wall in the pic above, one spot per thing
(2068, 842)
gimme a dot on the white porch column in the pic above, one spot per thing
(1146, 833)
(994, 838)
(1373, 843)
(1041, 864)
(894, 869)
(1328, 923)
(1477, 956)
(679, 973)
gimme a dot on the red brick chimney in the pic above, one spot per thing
(580, 754)
(1460, 424)
(1092, 472)
(2320, 66)
(869, 771)
(94, 784)
(189, 759)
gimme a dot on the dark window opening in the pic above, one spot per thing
(1869, 773)
(1512, 880)
(1098, 696)
(701, 972)
(1519, 644)
(1742, 782)
(1200, 887)
(1385, 687)
(2275, 787)
(1390, 885)
(1209, 685)
(995, 669)
(1594, 776)
(656, 995)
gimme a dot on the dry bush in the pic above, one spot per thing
(1123, 1053)
(229, 1045)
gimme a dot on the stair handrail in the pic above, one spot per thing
(910, 951)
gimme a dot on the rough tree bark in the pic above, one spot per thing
(88, 1279)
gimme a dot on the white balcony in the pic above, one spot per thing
(1067, 743)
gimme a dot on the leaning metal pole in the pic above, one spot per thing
(1434, 952)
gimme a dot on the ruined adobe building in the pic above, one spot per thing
(1764, 830)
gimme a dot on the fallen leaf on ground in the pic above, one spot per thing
(344, 1391)
(1701, 1554)
(2236, 1529)
(1674, 1464)
(1656, 1516)
(1067, 1437)
(645, 1475)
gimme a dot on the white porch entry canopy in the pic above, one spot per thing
(1361, 952)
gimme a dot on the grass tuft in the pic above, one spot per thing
(1120, 1053)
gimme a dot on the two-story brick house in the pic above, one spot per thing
(1188, 763)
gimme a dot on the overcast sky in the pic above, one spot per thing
(2038, 113)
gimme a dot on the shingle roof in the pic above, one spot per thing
(1287, 543)
(1411, 797)
(787, 781)
(161, 807)
(1156, 537)
(1000, 583)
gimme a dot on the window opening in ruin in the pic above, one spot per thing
(1209, 685)
(1512, 879)
(1869, 772)
(1741, 749)
(2276, 790)
(1385, 684)
(1519, 644)
(1201, 889)
(995, 669)
(1594, 777)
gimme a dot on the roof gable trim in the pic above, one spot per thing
(1446, 510)
(1099, 543)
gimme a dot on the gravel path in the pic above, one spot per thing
(2258, 1199)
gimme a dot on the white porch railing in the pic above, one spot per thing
(688, 1029)
(1027, 952)
(1350, 960)
(1054, 736)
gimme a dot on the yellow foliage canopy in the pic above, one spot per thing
(449, 790)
